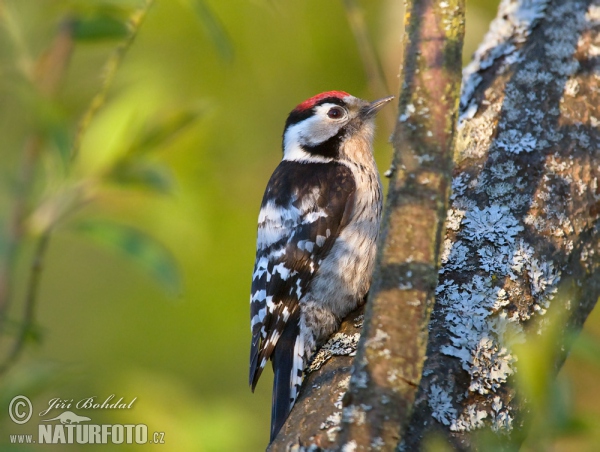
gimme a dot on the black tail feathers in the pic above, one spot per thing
(285, 375)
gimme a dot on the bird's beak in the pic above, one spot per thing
(372, 108)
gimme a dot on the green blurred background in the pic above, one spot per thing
(218, 78)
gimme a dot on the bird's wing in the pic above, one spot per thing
(303, 211)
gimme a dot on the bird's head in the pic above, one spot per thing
(319, 128)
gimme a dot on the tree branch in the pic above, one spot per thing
(391, 350)
(33, 285)
(46, 76)
(521, 262)
(522, 236)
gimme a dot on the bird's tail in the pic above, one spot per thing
(289, 361)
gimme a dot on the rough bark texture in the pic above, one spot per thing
(522, 231)
(522, 241)
(391, 351)
(315, 419)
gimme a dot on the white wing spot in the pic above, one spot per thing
(258, 296)
(306, 245)
(258, 319)
(283, 271)
(274, 222)
(313, 216)
(298, 289)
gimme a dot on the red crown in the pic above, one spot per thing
(310, 103)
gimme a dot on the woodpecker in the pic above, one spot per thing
(317, 231)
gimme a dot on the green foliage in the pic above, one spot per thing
(213, 27)
(99, 27)
(144, 175)
(586, 347)
(160, 132)
(185, 180)
(133, 169)
(142, 249)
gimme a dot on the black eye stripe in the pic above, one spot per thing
(298, 116)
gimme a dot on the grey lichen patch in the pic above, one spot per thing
(297, 447)
(332, 424)
(392, 377)
(440, 402)
(343, 387)
(353, 414)
(377, 341)
(529, 87)
(482, 328)
(516, 142)
(376, 345)
(480, 344)
(360, 379)
(542, 278)
(454, 256)
(340, 344)
(500, 417)
(453, 218)
(377, 443)
(496, 276)
(524, 194)
(470, 419)
(333, 420)
(511, 27)
(571, 87)
(474, 142)
(350, 446)
(494, 224)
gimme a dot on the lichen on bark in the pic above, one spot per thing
(524, 192)
(521, 243)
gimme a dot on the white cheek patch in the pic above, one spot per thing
(311, 132)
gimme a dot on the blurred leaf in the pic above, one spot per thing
(59, 134)
(48, 117)
(142, 249)
(144, 175)
(587, 348)
(213, 27)
(100, 27)
(164, 130)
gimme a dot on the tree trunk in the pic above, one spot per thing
(521, 257)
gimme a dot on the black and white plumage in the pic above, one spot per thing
(317, 232)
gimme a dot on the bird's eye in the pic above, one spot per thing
(335, 112)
